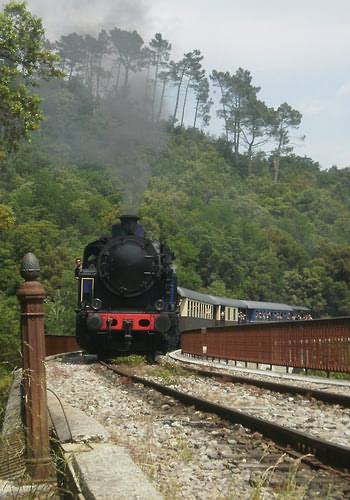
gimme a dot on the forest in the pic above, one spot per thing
(95, 126)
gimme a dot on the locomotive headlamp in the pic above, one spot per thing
(94, 322)
(96, 304)
(159, 305)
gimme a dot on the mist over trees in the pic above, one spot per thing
(124, 126)
(120, 64)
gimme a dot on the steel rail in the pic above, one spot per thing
(326, 452)
(325, 397)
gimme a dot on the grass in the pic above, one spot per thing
(169, 373)
(5, 385)
(132, 360)
(184, 451)
(23, 486)
(146, 455)
(145, 452)
(292, 488)
(60, 484)
(333, 375)
(171, 490)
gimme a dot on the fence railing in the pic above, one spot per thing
(57, 344)
(311, 345)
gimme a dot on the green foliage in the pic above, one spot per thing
(23, 59)
(59, 313)
(9, 333)
(244, 237)
(5, 385)
(100, 151)
(6, 218)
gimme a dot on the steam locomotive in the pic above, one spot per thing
(127, 294)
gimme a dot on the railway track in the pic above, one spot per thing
(283, 388)
(318, 451)
(187, 452)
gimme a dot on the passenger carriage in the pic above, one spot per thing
(203, 310)
(206, 310)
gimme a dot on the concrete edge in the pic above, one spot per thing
(93, 467)
(251, 368)
(105, 471)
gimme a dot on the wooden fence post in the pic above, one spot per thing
(31, 295)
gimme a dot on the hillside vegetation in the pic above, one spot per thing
(243, 223)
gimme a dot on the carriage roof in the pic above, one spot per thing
(240, 304)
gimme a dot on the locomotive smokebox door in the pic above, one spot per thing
(123, 267)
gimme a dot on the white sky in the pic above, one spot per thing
(297, 51)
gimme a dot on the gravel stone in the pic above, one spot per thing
(189, 454)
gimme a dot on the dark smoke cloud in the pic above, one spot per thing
(122, 134)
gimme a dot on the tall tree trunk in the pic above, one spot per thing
(70, 72)
(88, 74)
(118, 76)
(250, 160)
(178, 97)
(126, 76)
(154, 92)
(184, 103)
(161, 101)
(196, 114)
(237, 128)
(147, 84)
(98, 79)
(235, 141)
(224, 111)
(276, 168)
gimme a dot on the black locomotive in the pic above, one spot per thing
(127, 294)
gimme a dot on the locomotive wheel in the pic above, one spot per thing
(151, 358)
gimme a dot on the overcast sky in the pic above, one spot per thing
(297, 51)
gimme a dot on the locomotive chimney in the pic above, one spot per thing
(128, 223)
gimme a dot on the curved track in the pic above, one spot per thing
(325, 397)
(327, 453)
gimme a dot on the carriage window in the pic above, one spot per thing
(87, 290)
(185, 307)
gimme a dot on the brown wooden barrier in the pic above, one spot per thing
(57, 344)
(314, 344)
